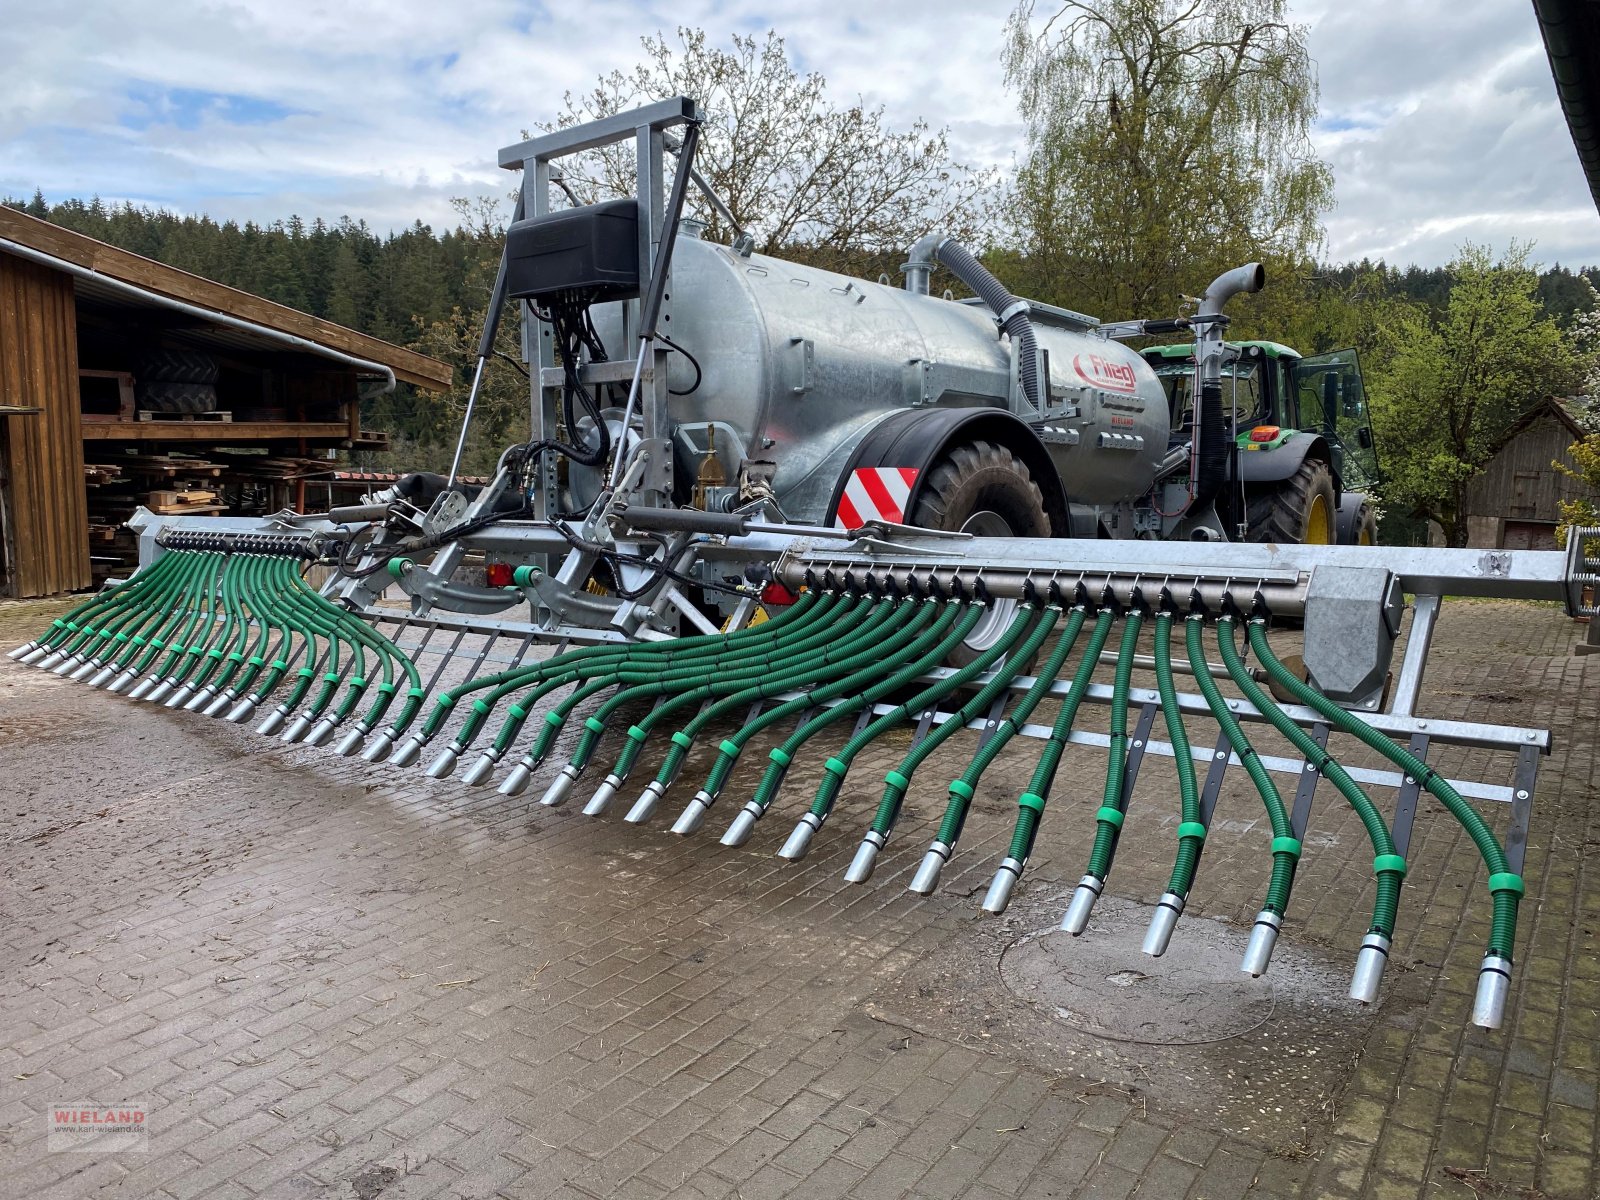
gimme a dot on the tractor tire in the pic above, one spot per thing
(176, 366)
(982, 489)
(177, 397)
(1300, 510)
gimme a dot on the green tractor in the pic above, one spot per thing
(1307, 458)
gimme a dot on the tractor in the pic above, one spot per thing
(1307, 459)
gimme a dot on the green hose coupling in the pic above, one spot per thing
(896, 780)
(1026, 800)
(731, 749)
(1111, 816)
(836, 768)
(1389, 862)
(1287, 845)
(959, 787)
(636, 734)
(682, 740)
(594, 725)
(1507, 881)
(1191, 829)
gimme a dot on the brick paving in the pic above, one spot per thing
(334, 980)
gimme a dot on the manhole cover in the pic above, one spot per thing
(1193, 994)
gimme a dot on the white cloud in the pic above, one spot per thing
(1440, 119)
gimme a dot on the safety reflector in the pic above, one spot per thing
(1265, 433)
(875, 494)
(497, 574)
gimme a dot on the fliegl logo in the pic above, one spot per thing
(1104, 374)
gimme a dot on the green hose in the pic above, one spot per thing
(1285, 846)
(1390, 867)
(1108, 822)
(1505, 887)
(1191, 830)
(898, 781)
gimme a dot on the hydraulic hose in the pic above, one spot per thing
(860, 869)
(1113, 806)
(898, 781)
(1285, 846)
(694, 682)
(1191, 829)
(853, 664)
(597, 675)
(1506, 887)
(964, 789)
(554, 673)
(1030, 805)
(1388, 866)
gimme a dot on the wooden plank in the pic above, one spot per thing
(38, 367)
(157, 277)
(239, 431)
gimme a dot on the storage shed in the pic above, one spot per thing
(1511, 504)
(81, 321)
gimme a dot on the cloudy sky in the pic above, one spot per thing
(1439, 117)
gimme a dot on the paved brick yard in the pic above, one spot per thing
(327, 979)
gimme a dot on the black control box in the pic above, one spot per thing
(591, 251)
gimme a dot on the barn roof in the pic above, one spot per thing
(110, 277)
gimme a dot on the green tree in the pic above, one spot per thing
(1448, 385)
(1167, 141)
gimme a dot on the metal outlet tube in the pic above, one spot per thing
(1494, 987)
(1159, 936)
(645, 806)
(800, 840)
(1005, 882)
(743, 825)
(603, 795)
(860, 869)
(1370, 962)
(928, 871)
(1263, 937)
(556, 794)
(479, 772)
(693, 815)
(1083, 898)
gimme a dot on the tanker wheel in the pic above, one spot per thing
(1364, 530)
(985, 490)
(1300, 510)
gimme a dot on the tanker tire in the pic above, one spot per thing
(1364, 530)
(177, 397)
(176, 366)
(1282, 514)
(982, 478)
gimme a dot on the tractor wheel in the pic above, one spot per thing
(177, 397)
(176, 366)
(982, 489)
(1301, 509)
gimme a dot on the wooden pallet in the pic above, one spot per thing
(180, 498)
(187, 510)
(146, 414)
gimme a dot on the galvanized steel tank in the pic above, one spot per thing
(798, 364)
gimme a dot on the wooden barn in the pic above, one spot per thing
(124, 381)
(1511, 505)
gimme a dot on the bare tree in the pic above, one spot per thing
(828, 184)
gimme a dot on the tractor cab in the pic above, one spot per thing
(1288, 413)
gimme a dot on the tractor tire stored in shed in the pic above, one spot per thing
(176, 366)
(177, 397)
(982, 489)
(1300, 510)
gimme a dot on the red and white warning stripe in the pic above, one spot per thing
(875, 494)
